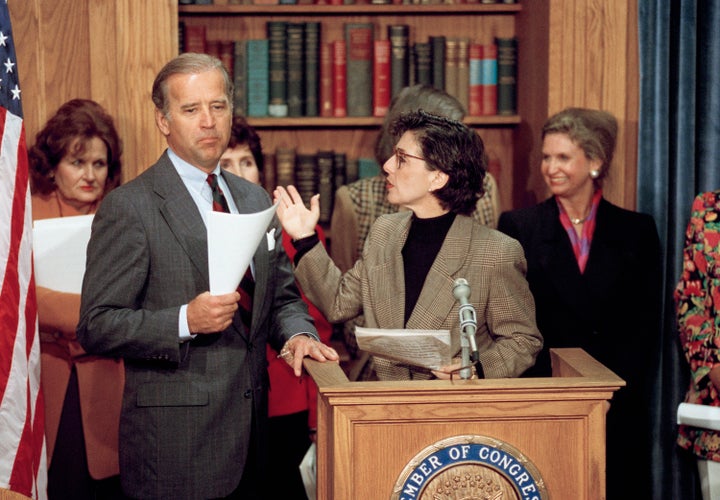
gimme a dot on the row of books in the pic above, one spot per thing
(292, 72)
(322, 172)
(343, 2)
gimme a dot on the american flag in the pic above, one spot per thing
(23, 467)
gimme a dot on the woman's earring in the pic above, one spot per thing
(594, 174)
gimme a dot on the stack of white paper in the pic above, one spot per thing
(703, 416)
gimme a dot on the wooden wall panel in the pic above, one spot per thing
(100, 50)
(590, 61)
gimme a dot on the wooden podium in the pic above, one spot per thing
(376, 437)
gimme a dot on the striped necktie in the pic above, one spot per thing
(247, 284)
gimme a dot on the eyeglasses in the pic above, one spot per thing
(401, 157)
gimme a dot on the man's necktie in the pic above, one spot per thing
(247, 284)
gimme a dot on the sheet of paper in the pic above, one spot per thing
(425, 348)
(59, 252)
(232, 241)
(308, 471)
(703, 416)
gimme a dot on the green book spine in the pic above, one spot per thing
(437, 57)
(258, 56)
(399, 57)
(506, 76)
(277, 36)
(239, 77)
(295, 68)
(359, 39)
(312, 68)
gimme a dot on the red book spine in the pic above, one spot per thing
(475, 52)
(339, 65)
(194, 38)
(381, 80)
(326, 79)
(489, 80)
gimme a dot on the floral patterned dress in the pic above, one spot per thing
(697, 297)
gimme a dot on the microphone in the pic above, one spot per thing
(468, 326)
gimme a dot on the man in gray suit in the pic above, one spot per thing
(195, 401)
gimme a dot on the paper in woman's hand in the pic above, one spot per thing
(425, 348)
(59, 248)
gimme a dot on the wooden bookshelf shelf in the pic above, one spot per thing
(344, 10)
(369, 122)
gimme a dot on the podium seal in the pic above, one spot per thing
(470, 467)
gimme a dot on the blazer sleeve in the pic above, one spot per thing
(344, 230)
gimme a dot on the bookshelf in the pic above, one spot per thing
(478, 22)
(580, 53)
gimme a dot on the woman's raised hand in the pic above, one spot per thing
(294, 216)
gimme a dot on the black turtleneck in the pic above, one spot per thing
(423, 243)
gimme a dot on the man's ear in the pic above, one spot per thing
(162, 122)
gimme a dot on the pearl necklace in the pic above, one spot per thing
(578, 220)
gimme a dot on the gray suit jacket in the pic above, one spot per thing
(492, 263)
(187, 408)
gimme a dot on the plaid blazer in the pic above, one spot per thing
(492, 263)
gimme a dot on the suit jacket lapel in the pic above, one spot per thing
(436, 299)
(388, 270)
(557, 257)
(181, 214)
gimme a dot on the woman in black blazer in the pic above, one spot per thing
(595, 272)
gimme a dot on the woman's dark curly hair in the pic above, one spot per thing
(453, 148)
(81, 119)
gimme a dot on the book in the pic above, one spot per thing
(398, 34)
(489, 80)
(463, 71)
(506, 75)
(312, 68)
(351, 169)
(367, 167)
(181, 36)
(359, 38)
(381, 78)
(339, 173)
(295, 50)
(277, 78)
(326, 79)
(475, 55)
(422, 63)
(239, 77)
(258, 60)
(194, 38)
(269, 172)
(339, 85)
(306, 176)
(437, 58)
(451, 66)
(326, 183)
(226, 53)
(284, 166)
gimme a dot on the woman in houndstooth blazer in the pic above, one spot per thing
(411, 259)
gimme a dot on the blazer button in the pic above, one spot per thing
(248, 394)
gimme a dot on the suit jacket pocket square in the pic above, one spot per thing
(271, 239)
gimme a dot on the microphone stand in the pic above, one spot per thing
(469, 352)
